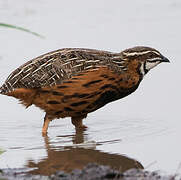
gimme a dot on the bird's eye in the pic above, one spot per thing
(151, 55)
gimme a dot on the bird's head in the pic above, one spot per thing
(146, 57)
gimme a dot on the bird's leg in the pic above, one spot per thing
(77, 122)
(47, 120)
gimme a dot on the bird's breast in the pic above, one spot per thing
(85, 92)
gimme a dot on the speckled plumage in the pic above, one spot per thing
(73, 82)
(54, 67)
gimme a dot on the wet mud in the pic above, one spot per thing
(90, 172)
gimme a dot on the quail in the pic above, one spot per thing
(73, 82)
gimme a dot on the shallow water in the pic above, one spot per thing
(142, 129)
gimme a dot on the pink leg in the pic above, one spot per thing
(47, 120)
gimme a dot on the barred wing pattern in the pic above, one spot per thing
(54, 67)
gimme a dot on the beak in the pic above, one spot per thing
(164, 59)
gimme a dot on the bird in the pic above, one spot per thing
(72, 82)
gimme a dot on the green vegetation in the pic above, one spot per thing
(1, 151)
(20, 28)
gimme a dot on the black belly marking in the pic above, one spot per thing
(109, 86)
(53, 102)
(76, 95)
(57, 93)
(91, 82)
(105, 98)
(61, 87)
(44, 91)
(93, 94)
(79, 103)
(58, 112)
(68, 109)
(81, 95)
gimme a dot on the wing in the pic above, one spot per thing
(54, 67)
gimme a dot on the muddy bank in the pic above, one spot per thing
(90, 172)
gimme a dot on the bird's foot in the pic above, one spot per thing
(82, 127)
(44, 133)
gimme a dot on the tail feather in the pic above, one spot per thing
(25, 96)
(5, 89)
(2, 90)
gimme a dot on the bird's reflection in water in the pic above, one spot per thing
(78, 155)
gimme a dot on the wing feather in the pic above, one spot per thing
(54, 67)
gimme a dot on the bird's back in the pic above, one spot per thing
(54, 67)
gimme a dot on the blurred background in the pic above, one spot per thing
(144, 126)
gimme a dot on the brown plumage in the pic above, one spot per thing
(74, 82)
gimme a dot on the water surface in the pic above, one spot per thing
(141, 130)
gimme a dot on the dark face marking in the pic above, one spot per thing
(151, 55)
(91, 82)
(57, 93)
(68, 109)
(79, 103)
(144, 66)
(53, 102)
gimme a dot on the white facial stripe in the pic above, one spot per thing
(135, 53)
(142, 71)
(139, 53)
(150, 65)
(146, 66)
(154, 59)
(156, 53)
